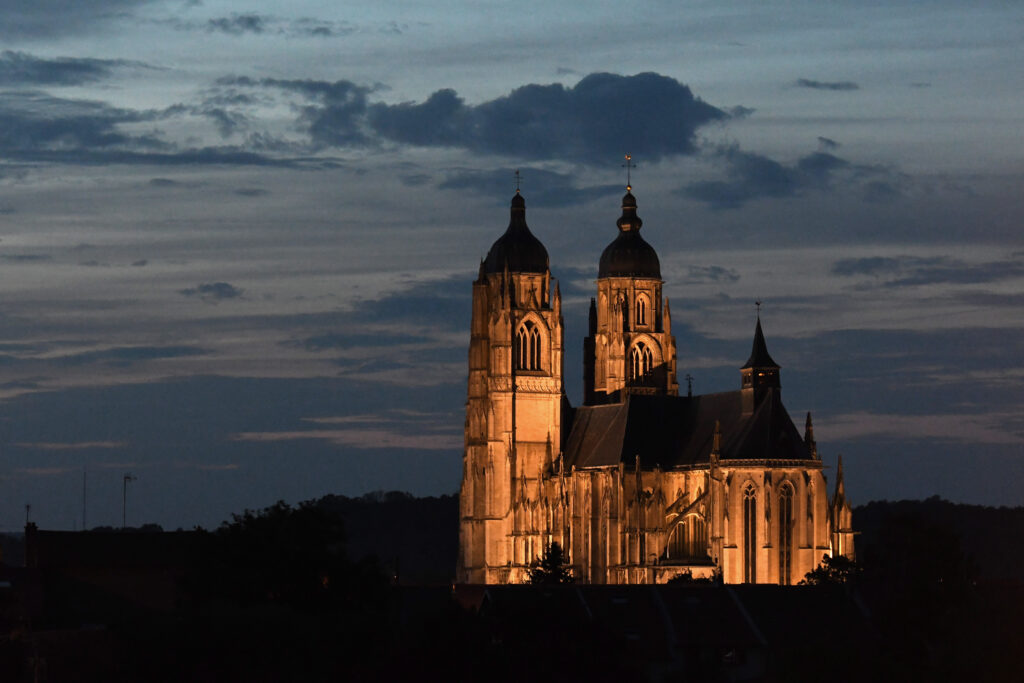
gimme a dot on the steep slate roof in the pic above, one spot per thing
(672, 431)
(759, 357)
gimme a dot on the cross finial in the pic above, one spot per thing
(629, 166)
(689, 385)
(519, 179)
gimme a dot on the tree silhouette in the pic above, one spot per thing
(833, 570)
(551, 567)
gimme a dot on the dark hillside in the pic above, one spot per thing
(992, 539)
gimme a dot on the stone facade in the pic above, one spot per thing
(639, 484)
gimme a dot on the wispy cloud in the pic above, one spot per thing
(826, 85)
(212, 291)
(989, 428)
(72, 445)
(45, 471)
(909, 271)
(20, 68)
(363, 438)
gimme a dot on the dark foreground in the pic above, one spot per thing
(277, 596)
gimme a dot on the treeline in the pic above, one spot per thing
(991, 538)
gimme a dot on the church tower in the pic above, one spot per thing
(514, 408)
(630, 347)
(760, 373)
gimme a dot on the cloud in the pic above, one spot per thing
(38, 127)
(49, 18)
(251, 23)
(45, 471)
(414, 179)
(586, 122)
(990, 428)
(124, 355)
(20, 68)
(827, 144)
(72, 446)
(227, 122)
(750, 176)
(362, 438)
(213, 291)
(338, 116)
(547, 188)
(140, 263)
(237, 24)
(318, 28)
(251, 192)
(705, 274)
(910, 271)
(25, 258)
(880, 192)
(322, 342)
(32, 120)
(826, 85)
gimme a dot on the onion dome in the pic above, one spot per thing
(629, 255)
(518, 250)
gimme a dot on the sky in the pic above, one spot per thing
(237, 240)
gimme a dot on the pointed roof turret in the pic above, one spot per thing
(517, 250)
(809, 441)
(759, 357)
(840, 490)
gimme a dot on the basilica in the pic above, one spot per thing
(639, 484)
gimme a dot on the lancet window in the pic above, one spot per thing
(641, 363)
(528, 347)
(749, 535)
(785, 534)
(641, 310)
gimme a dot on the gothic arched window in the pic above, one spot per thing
(750, 535)
(641, 310)
(785, 534)
(528, 347)
(689, 540)
(641, 363)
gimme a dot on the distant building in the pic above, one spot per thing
(639, 484)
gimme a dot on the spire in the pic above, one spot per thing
(840, 492)
(809, 441)
(759, 357)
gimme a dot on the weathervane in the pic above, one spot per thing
(629, 166)
(758, 304)
(689, 384)
(519, 179)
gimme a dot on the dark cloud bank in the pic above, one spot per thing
(750, 176)
(591, 121)
(20, 68)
